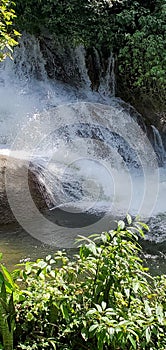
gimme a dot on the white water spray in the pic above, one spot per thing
(90, 154)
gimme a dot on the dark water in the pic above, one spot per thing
(17, 246)
(154, 256)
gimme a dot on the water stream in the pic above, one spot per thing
(94, 159)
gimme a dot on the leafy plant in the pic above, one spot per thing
(104, 298)
(101, 299)
(141, 57)
(7, 308)
(7, 34)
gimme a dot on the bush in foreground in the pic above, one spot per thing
(102, 299)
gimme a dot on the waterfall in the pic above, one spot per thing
(28, 60)
(80, 61)
(110, 76)
(92, 154)
(158, 146)
(26, 89)
(102, 73)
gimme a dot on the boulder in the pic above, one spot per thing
(18, 180)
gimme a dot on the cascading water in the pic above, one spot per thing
(92, 156)
(158, 145)
(108, 85)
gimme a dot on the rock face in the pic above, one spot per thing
(152, 108)
(14, 173)
(61, 61)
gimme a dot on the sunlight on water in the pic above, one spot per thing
(92, 156)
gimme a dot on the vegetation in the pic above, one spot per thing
(142, 62)
(102, 299)
(7, 34)
(133, 30)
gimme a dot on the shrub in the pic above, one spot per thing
(102, 299)
(7, 34)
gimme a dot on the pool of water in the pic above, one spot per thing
(18, 246)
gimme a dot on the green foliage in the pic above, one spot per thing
(102, 299)
(77, 21)
(133, 30)
(7, 35)
(7, 308)
(141, 58)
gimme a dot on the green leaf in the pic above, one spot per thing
(98, 307)
(100, 341)
(41, 264)
(1, 277)
(8, 276)
(29, 316)
(159, 313)
(92, 248)
(84, 333)
(136, 286)
(148, 334)
(132, 341)
(3, 292)
(129, 219)
(111, 330)
(52, 342)
(148, 310)
(93, 327)
(64, 311)
(16, 33)
(103, 305)
(52, 273)
(11, 305)
(146, 227)
(91, 312)
(11, 310)
(52, 261)
(127, 292)
(48, 257)
(121, 225)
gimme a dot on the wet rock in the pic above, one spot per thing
(18, 181)
(60, 60)
(152, 108)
